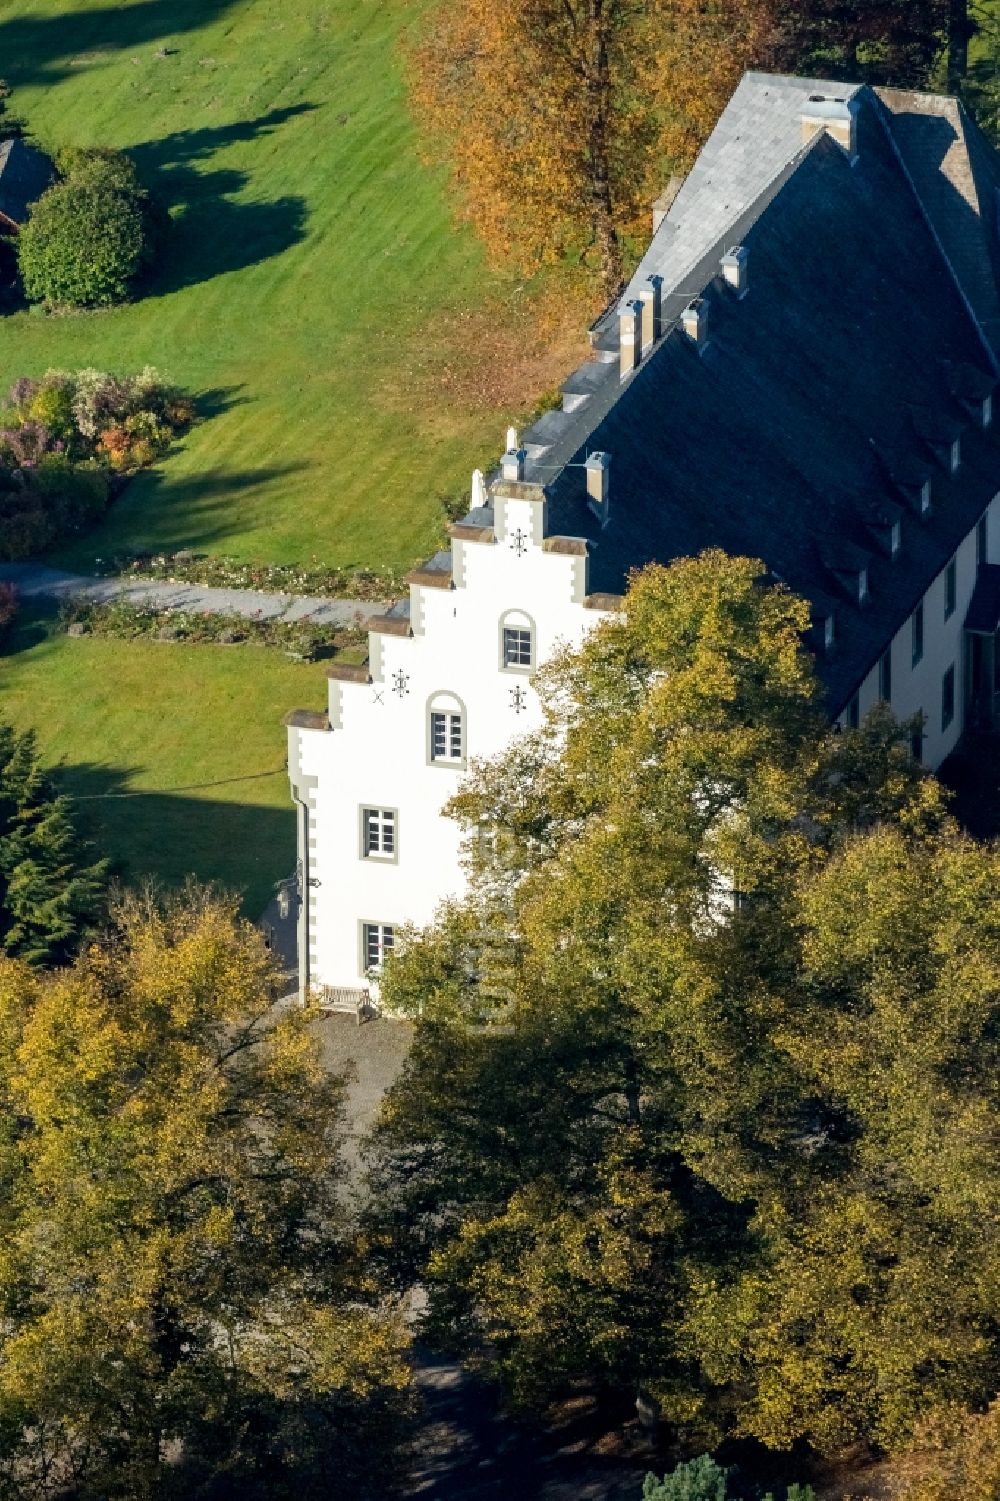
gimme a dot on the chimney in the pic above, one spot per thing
(662, 205)
(651, 298)
(512, 463)
(735, 270)
(629, 337)
(598, 467)
(838, 116)
(695, 321)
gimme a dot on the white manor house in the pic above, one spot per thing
(802, 370)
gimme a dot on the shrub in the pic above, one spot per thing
(89, 236)
(698, 1479)
(702, 1479)
(67, 436)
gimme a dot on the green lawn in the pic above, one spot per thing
(312, 265)
(172, 724)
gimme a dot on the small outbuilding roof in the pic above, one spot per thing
(25, 173)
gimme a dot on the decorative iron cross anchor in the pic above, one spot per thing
(519, 542)
(400, 683)
(518, 699)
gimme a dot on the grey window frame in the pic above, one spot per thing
(523, 622)
(917, 635)
(379, 856)
(446, 763)
(951, 588)
(364, 924)
(948, 697)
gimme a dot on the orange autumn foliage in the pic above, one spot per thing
(562, 119)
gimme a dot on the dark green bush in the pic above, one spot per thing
(90, 236)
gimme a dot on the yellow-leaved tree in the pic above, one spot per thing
(181, 1304)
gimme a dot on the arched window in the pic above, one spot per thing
(518, 641)
(446, 730)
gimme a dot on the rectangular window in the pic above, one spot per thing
(446, 735)
(896, 538)
(853, 713)
(885, 675)
(917, 633)
(982, 537)
(956, 455)
(516, 646)
(987, 411)
(376, 942)
(378, 833)
(948, 697)
(949, 589)
(917, 739)
(862, 586)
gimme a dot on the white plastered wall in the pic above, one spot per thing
(918, 688)
(376, 753)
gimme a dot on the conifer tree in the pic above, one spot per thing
(51, 892)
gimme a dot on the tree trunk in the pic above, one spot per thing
(598, 87)
(958, 44)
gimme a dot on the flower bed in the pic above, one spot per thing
(314, 579)
(69, 441)
(303, 640)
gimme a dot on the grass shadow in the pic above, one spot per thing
(210, 231)
(43, 49)
(173, 834)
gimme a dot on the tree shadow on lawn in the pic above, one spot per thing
(42, 49)
(158, 512)
(174, 834)
(209, 232)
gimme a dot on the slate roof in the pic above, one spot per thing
(827, 396)
(25, 173)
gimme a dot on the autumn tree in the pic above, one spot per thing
(598, 1087)
(562, 119)
(183, 1313)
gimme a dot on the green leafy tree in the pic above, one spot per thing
(597, 1087)
(871, 1302)
(51, 893)
(90, 236)
(183, 1311)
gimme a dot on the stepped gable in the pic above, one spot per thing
(782, 435)
(956, 176)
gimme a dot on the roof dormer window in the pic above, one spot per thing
(896, 538)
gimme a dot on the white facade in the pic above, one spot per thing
(374, 750)
(918, 686)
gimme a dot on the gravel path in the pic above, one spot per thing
(35, 581)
